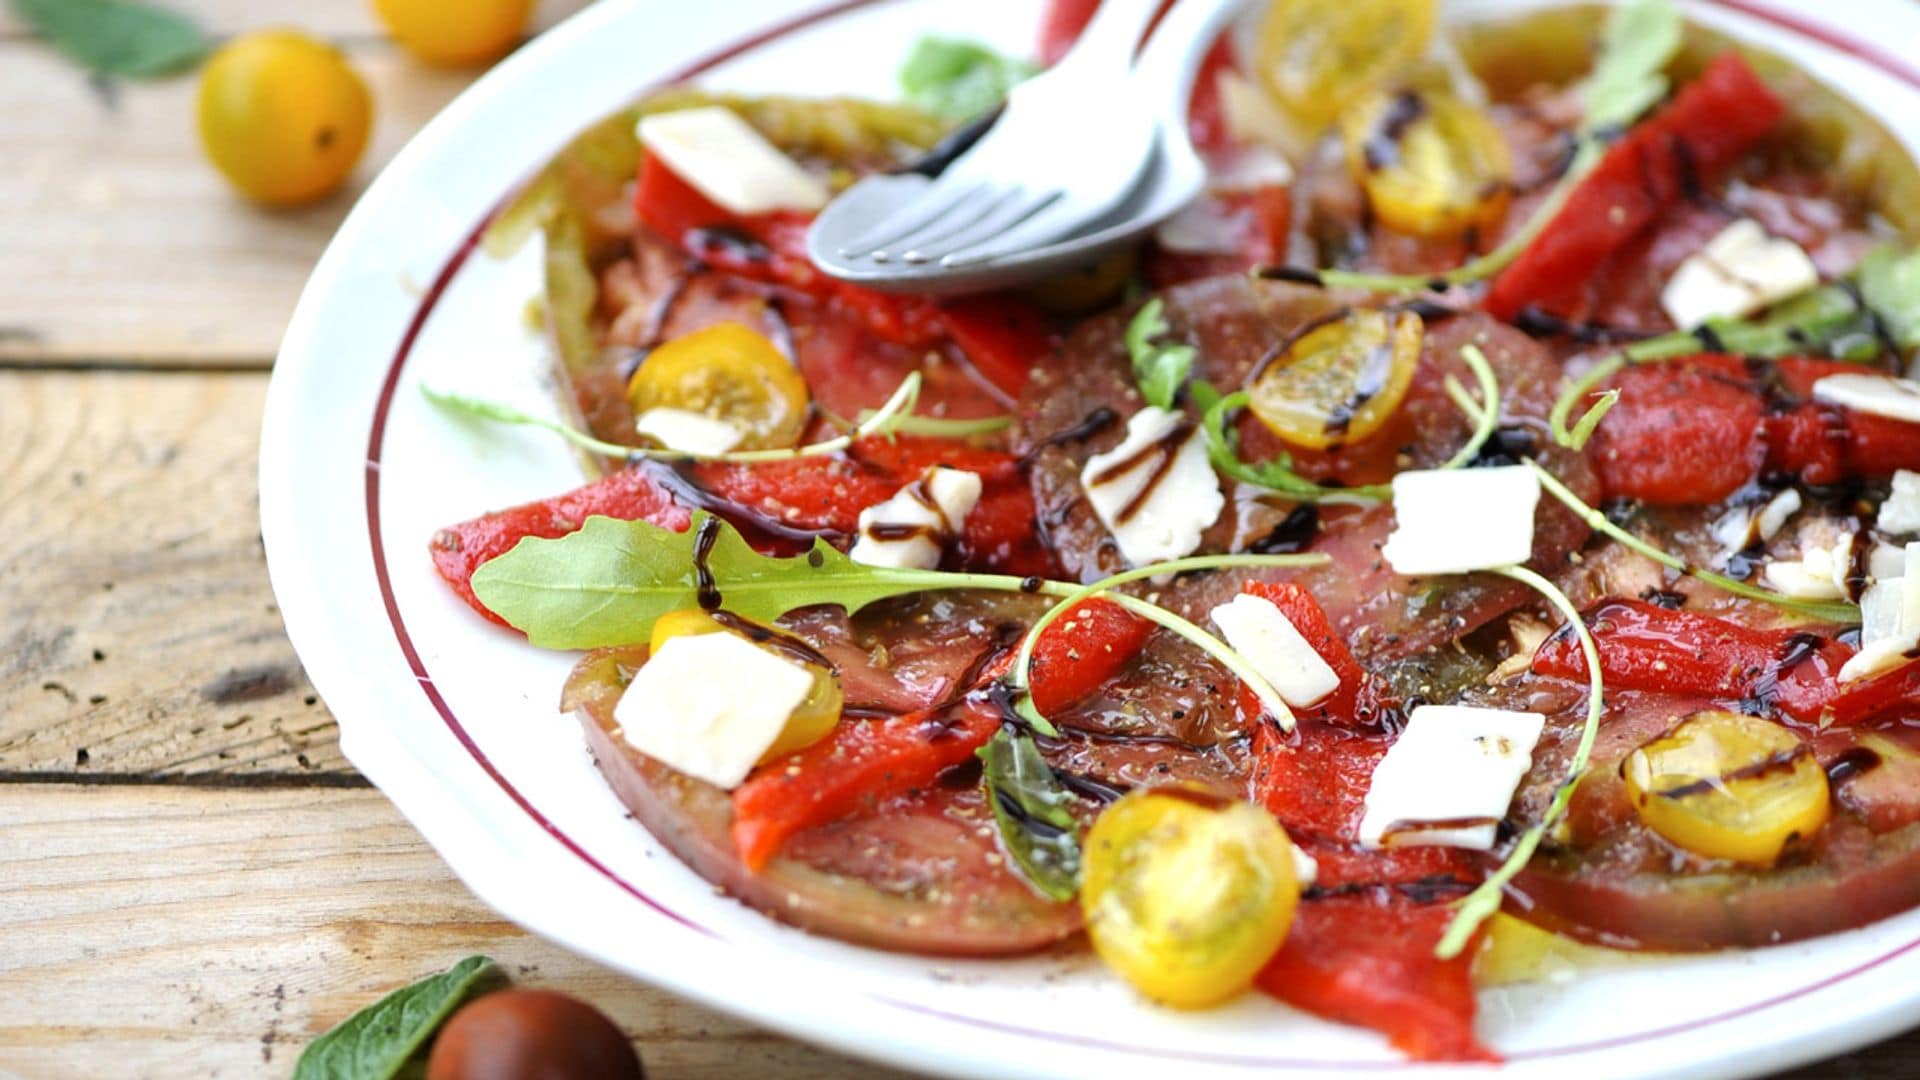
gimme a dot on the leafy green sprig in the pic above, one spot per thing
(958, 79)
(382, 1040)
(1030, 813)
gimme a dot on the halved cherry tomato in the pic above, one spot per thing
(1729, 786)
(1187, 895)
(1318, 55)
(730, 373)
(810, 722)
(1430, 163)
(1341, 381)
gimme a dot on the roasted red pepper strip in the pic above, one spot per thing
(823, 493)
(1353, 698)
(1684, 432)
(1825, 444)
(1702, 131)
(1647, 647)
(458, 550)
(860, 764)
(1361, 947)
(1082, 649)
(1369, 960)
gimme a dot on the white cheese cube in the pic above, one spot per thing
(1880, 395)
(913, 528)
(1156, 491)
(688, 431)
(1450, 521)
(709, 705)
(1740, 271)
(1886, 561)
(726, 160)
(1819, 574)
(1306, 869)
(1258, 630)
(1889, 622)
(1448, 778)
(1900, 514)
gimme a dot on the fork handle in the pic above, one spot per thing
(1163, 77)
(1110, 38)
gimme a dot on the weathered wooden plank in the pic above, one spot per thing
(331, 19)
(162, 931)
(137, 631)
(119, 242)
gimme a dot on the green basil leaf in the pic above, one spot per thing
(377, 1042)
(1030, 809)
(1641, 36)
(1159, 368)
(958, 79)
(117, 37)
(606, 583)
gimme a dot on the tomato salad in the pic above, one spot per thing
(1492, 511)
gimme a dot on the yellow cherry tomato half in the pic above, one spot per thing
(1341, 381)
(1729, 786)
(815, 717)
(1185, 895)
(730, 373)
(1319, 55)
(455, 32)
(283, 116)
(1431, 164)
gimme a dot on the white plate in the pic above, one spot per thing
(455, 719)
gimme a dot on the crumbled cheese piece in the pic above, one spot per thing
(1886, 561)
(912, 528)
(1448, 778)
(1819, 574)
(1900, 514)
(1306, 869)
(1879, 395)
(688, 431)
(710, 705)
(1450, 521)
(1774, 515)
(1740, 271)
(1156, 491)
(1889, 623)
(726, 160)
(1258, 630)
(1741, 527)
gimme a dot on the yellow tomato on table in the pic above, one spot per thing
(455, 32)
(283, 116)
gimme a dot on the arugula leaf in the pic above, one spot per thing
(1030, 809)
(376, 1042)
(1223, 449)
(958, 79)
(1640, 37)
(117, 37)
(606, 583)
(1160, 369)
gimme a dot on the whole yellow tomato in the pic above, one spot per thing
(283, 116)
(455, 32)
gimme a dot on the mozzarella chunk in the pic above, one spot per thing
(1258, 630)
(1449, 777)
(1741, 527)
(1306, 869)
(913, 528)
(1819, 574)
(710, 705)
(1886, 561)
(688, 431)
(1450, 521)
(1740, 271)
(1880, 395)
(1889, 623)
(1156, 491)
(1900, 514)
(1774, 515)
(726, 160)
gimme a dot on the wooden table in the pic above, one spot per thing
(193, 881)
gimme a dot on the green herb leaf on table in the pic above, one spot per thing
(117, 37)
(958, 79)
(1030, 809)
(377, 1042)
(1158, 368)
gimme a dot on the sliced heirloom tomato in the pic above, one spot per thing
(1707, 126)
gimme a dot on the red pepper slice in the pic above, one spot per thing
(1825, 444)
(1369, 960)
(1702, 131)
(1686, 432)
(1082, 649)
(1796, 673)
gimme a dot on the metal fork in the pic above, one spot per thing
(1034, 164)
